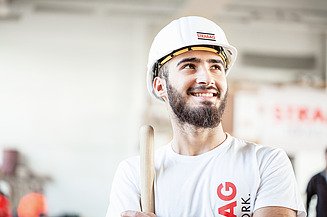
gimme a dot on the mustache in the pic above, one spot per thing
(202, 87)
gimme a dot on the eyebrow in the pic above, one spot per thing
(215, 61)
(190, 59)
(198, 60)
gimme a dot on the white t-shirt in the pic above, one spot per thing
(234, 179)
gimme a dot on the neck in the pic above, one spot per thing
(189, 140)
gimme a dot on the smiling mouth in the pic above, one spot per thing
(204, 91)
(204, 94)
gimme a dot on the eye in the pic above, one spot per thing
(188, 66)
(217, 67)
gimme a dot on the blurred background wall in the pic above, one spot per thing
(73, 95)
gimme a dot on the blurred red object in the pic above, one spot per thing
(32, 205)
(4, 206)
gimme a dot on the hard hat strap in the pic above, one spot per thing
(215, 49)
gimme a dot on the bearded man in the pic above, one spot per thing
(203, 171)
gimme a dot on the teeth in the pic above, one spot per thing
(203, 94)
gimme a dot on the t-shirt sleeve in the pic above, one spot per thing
(125, 193)
(278, 185)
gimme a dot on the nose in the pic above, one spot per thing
(204, 76)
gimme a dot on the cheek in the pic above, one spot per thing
(187, 85)
(181, 83)
(222, 84)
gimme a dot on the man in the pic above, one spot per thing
(318, 186)
(203, 171)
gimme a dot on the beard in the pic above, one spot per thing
(205, 116)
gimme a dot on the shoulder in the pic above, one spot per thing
(318, 176)
(129, 167)
(260, 151)
(133, 163)
(260, 155)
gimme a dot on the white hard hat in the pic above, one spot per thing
(184, 33)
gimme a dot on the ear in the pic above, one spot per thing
(160, 88)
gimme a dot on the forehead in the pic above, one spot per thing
(202, 55)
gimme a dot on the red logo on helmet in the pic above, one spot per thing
(206, 36)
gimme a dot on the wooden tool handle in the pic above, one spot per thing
(147, 168)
